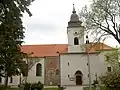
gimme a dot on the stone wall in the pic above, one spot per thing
(52, 71)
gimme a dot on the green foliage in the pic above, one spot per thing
(2, 87)
(95, 82)
(111, 79)
(38, 86)
(27, 86)
(33, 86)
(11, 35)
(101, 19)
(113, 58)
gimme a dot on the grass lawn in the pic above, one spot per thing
(13, 89)
(43, 89)
(102, 88)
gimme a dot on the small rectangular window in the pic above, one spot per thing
(68, 75)
(109, 69)
(68, 63)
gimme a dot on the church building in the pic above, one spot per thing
(65, 64)
(80, 63)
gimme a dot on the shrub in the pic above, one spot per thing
(38, 86)
(95, 82)
(27, 86)
(2, 87)
(111, 80)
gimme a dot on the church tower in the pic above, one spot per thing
(75, 33)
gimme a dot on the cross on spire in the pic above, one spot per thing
(73, 9)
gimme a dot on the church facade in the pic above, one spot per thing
(65, 64)
(75, 64)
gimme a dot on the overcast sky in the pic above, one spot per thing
(48, 25)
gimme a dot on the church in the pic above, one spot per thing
(65, 64)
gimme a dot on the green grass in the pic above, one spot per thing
(13, 89)
(101, 88)
(43, 89)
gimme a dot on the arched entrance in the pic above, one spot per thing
(78, 75)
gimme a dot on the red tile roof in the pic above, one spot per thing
(93, 47)
(45, 50)
(52, 49)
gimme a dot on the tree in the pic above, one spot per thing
(102, 19)
(112, 79)
(11, 35)
(113, 58)
(26, 65)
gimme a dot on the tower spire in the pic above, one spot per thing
(73, 9)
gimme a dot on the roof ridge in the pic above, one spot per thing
(43, 44)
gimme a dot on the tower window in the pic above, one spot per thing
(76, 41)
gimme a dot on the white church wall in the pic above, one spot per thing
(79, 62)
(71, 35)
(32, 78)
(15, 81)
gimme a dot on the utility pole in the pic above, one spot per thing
(88, 58)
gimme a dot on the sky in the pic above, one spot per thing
(48, 25)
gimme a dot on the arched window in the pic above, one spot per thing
(76, 41)
(38, 69)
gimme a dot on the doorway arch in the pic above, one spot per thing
(78, 75)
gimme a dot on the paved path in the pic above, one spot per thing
(74, 88)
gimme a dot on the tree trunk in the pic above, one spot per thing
(6, 80)
(25, 79)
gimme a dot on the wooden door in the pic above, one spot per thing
(78, 80)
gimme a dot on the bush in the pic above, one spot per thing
(111, 80)
(95, 82)
(34, 86)
(2, 87)
(27, 86)
(38, 86)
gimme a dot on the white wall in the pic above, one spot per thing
(71, 34)
(79, 62)
(32, 78)
(15, 81)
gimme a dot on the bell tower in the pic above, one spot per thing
(75, 32)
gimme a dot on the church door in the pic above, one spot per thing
(78, 80)
(78, 75)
